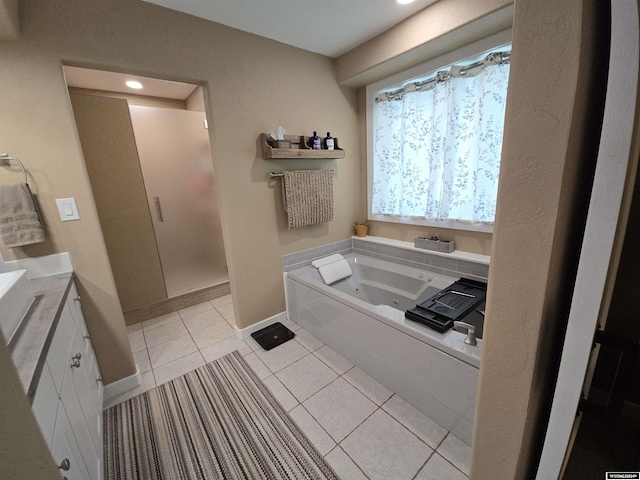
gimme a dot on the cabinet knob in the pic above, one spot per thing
(87, 337)
(99, 379)
(78, 299)
(77, 356)
(76, 364)
(65, 465)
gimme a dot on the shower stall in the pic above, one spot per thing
(151, 172)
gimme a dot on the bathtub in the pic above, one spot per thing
(362, 318)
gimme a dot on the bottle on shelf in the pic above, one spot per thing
(328, 142)
(315, 141)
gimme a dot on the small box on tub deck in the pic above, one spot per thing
(443, 246)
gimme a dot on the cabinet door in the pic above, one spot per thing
(83, 384)
(95, 380)
(65, 447)
(45, 405)
(73, 407)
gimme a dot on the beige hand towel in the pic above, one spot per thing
(308, 197)
(19, 221)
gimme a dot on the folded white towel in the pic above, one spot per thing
(334, 271)
(325, 260)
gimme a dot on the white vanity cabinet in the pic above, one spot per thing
(68, 398)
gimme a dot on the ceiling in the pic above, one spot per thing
(328, 27)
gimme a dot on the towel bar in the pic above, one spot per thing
(4, 160)
(276, 175)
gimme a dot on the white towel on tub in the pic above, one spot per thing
(334, 271)
(325, 260)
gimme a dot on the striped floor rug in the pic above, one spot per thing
(217, 422)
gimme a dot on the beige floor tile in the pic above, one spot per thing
(306, 377)
(281, 394)
(164, 333)
(178, 367)
(172, 350)
(194, 309)
(343, 465)
(226, 310)
(312, 429)
(281, 356)
(426, 429)
(202, 320)
(221, 348)
(212, 334)
(437, 468)
(339, 408)
(307, 340)
(334, 360)
(252, 343)
(159, 321)
(136, 340)
(142, 360)
(291, 325)
(257, 366)
(148, 382)
(384, 449)
(457, 452)
(367, 385)
(224, 300)
(135, 328)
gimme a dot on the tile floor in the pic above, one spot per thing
(363, 430)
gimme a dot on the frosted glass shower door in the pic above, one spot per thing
(173, 147)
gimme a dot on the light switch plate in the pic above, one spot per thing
(68, 209)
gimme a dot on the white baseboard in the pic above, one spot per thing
(123, 385)
(243, 333)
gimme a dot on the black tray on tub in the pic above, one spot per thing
(272, 336)
(453, 303)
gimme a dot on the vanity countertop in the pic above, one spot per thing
(30, 345)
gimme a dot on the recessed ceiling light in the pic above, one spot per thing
(404, 2)
(133, 84)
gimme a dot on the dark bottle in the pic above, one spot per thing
(315, 142)
(328, 142)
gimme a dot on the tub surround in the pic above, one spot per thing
(454, 264)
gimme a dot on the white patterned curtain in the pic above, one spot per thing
(437, 145)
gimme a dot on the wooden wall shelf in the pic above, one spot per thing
(298, 149)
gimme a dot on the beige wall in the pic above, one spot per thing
(9, 23)
(111, 157)
(537, 233)
(253, 85)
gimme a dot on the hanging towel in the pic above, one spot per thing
(19, 221)
(325, 260)
(334, 271)
(308, 197)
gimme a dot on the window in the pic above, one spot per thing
(436, 145)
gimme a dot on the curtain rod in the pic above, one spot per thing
(276, 175)
(498, 58)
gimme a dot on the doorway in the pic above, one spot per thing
(149, 164)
